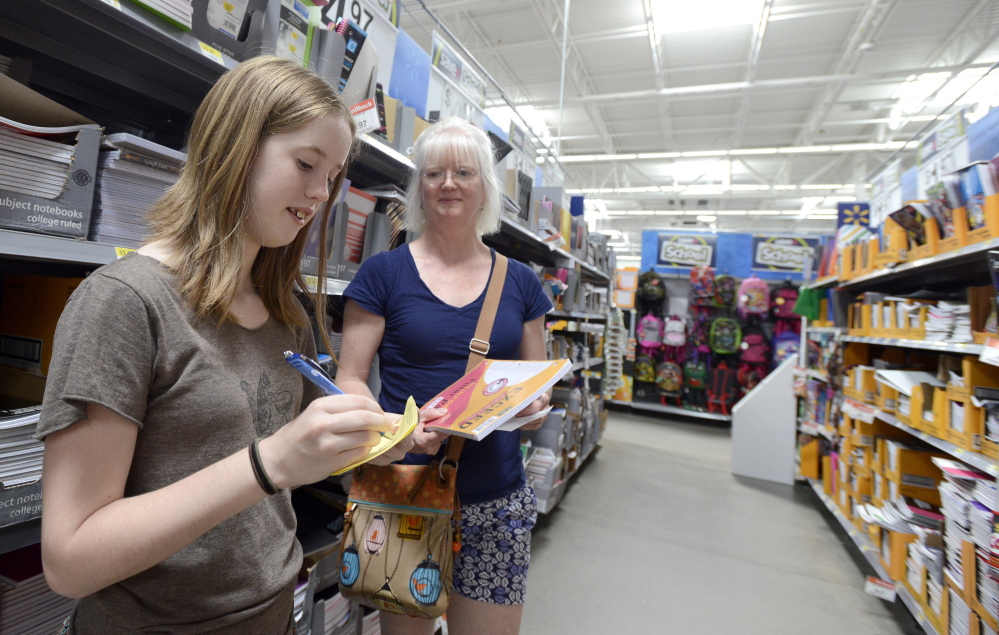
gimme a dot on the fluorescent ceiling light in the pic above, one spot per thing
(707, 218)
(729, 212)
(785, 187)
(678, 16)
(706, 153)
(736, 153)
(804, 149)
(629, 258)
(738, 187)
(827, 186)
(658, 155)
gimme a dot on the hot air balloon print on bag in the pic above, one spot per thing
(425, 584)
(350, 566)
(375, 539)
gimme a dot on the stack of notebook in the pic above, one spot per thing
(176, 12)
(20, 453)
(132, 174)
(34, 160)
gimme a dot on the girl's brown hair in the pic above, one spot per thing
(203, 215)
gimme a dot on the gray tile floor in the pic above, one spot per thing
(655, 535)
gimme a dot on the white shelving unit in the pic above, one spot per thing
(940, 347)
(870, 553)
(654, 407)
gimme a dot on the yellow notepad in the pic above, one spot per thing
(403, 428)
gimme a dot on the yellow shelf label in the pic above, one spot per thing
(121, 252)
(211, 52)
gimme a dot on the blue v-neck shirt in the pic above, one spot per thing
(425, 349)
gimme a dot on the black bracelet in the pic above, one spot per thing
(265, 482)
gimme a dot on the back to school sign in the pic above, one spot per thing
(686, 251)
(783, 253)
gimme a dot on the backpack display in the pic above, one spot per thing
(649, 331)
(675, 331)
(786, 344)
(700, 335)
(651, 287)
(726, 291)
(695, 374)
(669, 379)
(702, 286)
(723, 389)
(754, 349)
(749, 376)
(645, 368)
(753, 297)
(725, 337)
(783, 299)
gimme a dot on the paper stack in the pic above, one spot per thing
(336, 614)
(543, 467)
(132, 174)
(20, 453)
(176, 12)
(988, 589)
(34, 160)
(371, 625)
(961, 332)
(301, 590)
(5, 63)
(510, 207)
(939, 322)
(960, 615)
(27, 604)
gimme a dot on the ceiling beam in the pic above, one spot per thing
(754, 58)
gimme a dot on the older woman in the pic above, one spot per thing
(417, 307)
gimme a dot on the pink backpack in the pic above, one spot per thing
(649, 331)
(675, 332)
(783, 300)
(753, 297)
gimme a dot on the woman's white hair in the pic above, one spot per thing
(454, 141)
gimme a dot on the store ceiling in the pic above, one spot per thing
(820, 90)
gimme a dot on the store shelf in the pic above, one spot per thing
(117, 54)
(941, 268)
(867, 412)
(831, 330)
(942, 347)
(333, 285)
(575, 315)
(812, 373)
(590, 363)
(54, 248)
(823, 283)
(377, 163)
(653, 407)
(515, 235)
(815, 429)
(20, 535)
(870, 552)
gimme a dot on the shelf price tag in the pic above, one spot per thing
(211, 52)
(121, 252)
(990, 351)
(880, 589)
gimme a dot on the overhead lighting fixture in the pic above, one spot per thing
(707, 218)
(694, 154)
(679, 16)
(742, 151)
(629, 258)
(785, 187)
(828, 186)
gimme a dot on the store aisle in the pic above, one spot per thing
(657, 536)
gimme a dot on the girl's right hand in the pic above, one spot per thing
(330, 434)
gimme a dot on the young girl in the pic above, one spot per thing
(173, 426)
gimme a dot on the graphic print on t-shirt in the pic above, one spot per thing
(271, 409)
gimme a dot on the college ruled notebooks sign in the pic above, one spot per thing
(492, 393)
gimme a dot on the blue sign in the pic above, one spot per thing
(854, 214)
(784, 253)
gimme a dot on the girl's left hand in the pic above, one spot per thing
(537, 405)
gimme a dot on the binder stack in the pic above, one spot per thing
(132, 174)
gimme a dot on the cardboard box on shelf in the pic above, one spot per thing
(911, 472)
(827, 476)
(894, 551)
(68, 214)
(932, 245)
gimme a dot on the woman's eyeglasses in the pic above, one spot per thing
(439, 176)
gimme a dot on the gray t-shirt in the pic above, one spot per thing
(128, 340)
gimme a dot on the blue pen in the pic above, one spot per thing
(313, 372)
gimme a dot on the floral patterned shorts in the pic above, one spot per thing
(496, 548)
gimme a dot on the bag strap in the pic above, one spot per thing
(479, 346)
